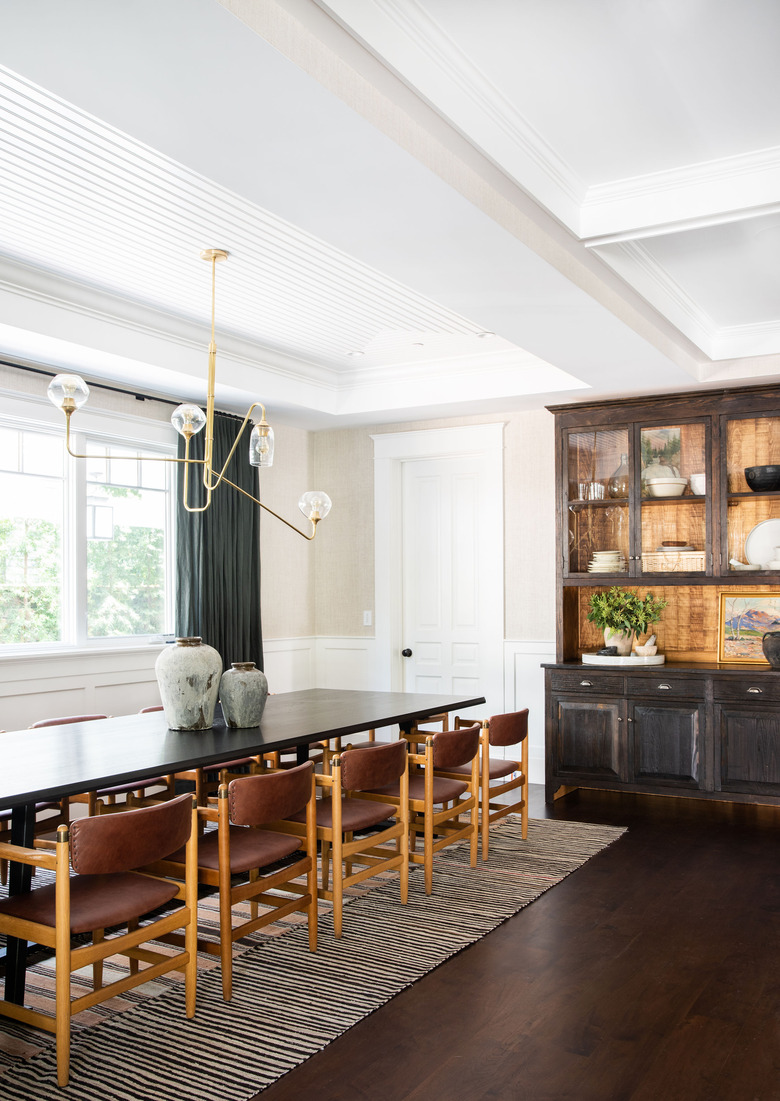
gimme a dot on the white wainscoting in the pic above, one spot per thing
(289, 663)
(121, 682)
(524, 687)
(105, 682)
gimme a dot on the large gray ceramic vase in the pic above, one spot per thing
(188, 677)
(243, 691)
(770, 644)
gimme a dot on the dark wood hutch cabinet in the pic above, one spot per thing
(693, 726)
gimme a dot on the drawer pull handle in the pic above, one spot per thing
(664, 687)
(586, 684)
(755, 691)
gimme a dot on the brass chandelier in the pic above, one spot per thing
(70, 392)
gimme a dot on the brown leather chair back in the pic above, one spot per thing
(268, 797)
(372, 766)
(146, 710)
(508, 729)
(110, 843)
(67, 719)
(455, 747)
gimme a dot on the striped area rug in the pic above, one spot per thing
(289, 1003)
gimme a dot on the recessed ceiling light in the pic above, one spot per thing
(484, 335)
(417, 344)
(355, 353)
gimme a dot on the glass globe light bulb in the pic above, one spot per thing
(188, 420)
(68, 392)
(315, 505)
(261, 445)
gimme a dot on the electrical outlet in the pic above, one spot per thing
(366, 619)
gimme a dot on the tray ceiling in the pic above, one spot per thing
(431, 206)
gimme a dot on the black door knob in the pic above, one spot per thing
(407, 653)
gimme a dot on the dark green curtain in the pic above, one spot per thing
(218, 553)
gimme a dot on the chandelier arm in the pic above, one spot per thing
(221, 476)
(276, 514)
(185, 491)
(122, 458)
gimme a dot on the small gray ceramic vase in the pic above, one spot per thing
(188, 677)
(243, 691)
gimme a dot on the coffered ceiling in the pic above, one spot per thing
(431, 206)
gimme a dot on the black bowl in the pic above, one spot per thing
(762, 478)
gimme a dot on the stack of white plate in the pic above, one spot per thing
(607, 561)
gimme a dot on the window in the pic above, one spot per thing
(85, 544)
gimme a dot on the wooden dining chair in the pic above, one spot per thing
(436, 799)
(239, 857)
(111, 887)
(207, 779)
(135, 793)
(498, 776)
(347, 810)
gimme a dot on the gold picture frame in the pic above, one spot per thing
(743, 619)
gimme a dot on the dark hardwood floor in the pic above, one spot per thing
(650, 974)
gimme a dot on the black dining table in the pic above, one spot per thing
(53, 761)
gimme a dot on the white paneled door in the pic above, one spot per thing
(452, 627)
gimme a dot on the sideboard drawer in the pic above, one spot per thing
(661, 685)
(589, 680)
(759, 688)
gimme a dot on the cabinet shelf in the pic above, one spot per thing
(698, 735)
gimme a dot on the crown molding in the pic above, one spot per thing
(695, 195)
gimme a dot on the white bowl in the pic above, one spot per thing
(666, 487)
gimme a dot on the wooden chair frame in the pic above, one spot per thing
(69, 959)
(345, 848)
(259, 890)
(490, 810)
(428, 822)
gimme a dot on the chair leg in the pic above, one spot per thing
(97, 967)
(484, 801)
(134, 965)
(325, 859)
(428, 853)
(338, 883)
(62, 998)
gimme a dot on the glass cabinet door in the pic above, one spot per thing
(673, 497)
(753, 495)
(597, 506)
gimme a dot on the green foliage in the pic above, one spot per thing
(30, 569)
(126, 583)
(624, 610)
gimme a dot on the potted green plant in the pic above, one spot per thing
(622, 613)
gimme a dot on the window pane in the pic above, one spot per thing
(125, 560)
(42, 454)
(30, 559)
(9, 449)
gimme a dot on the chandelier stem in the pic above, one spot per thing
(257, 501)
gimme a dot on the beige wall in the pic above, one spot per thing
(344, 550)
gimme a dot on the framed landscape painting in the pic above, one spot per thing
(745, 617)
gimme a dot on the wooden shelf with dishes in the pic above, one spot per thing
(678, 495)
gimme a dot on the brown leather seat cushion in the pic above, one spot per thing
(248, 848)
(496, 768)
(356, 814)
(443, 789)
(96, 901)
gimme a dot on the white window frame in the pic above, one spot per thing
(103, 427)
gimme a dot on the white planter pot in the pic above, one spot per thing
(622, 639)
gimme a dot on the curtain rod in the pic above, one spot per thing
(102, 386)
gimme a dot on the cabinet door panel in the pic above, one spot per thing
(750, 751)
(666, 743)
(588, 739)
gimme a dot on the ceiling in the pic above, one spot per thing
(432, 207)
